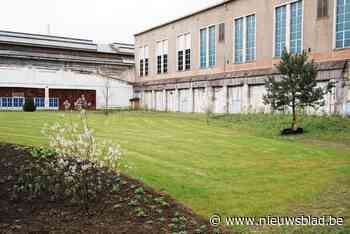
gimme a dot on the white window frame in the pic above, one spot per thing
(244, 37)
(288, 18)
(334, 40)
(207, 46)
(162, 53)
(183, 50)
(142, 55)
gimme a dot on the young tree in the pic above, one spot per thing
(297, 86)
(106, 95)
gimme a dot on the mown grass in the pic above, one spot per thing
(236, 165)
(328, 128)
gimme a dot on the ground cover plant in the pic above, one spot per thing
(236, 165)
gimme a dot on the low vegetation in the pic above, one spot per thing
(239, 165)
(38, 194)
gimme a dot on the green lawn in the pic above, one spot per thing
(234, 166)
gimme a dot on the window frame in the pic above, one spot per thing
(40, 100)
(143, 58)
(244, 27)
(207, 27)
(184, 49)
(162, 57)
(335, 28)
(288, 21)
(52, 100)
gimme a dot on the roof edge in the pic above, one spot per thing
(184, 17)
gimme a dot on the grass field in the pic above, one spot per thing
(235, 166)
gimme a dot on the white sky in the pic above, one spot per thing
(99, 20)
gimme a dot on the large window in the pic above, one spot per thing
(239, 40)
(343, 24)
(280, 30)
(245, 49)
(212, 46)
(162, 56)
(18, 102)
(53, 103)
(39, 102)
(208, 47)
(288, 28)
(296, 18)
(143, 60)
(184, 52)
(6, 102)
(203, 48)
(250, 38)
(11, 102)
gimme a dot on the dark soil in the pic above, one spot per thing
(291, 131)
(112, 215)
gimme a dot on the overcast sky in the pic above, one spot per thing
(99, 20)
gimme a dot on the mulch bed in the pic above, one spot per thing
(116, 216)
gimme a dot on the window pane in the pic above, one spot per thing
(239, 40)
(180, 60)
(9, 102)
(188, 59)
(280, 30)
(203, 48)
(296, 26)
(159, 64)
(250, 39)
(4, 102)
(212, 46)
(146, 67)
(165, 63)
(343, 24)
(141, 67)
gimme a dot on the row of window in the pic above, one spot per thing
(39, 102)
(18, 102)
(288, 30)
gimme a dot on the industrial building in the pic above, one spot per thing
(53, 69)
(222, 54)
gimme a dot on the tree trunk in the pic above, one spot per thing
(295, 121)
(107, 97)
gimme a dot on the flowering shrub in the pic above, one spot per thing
(76, 139)
(60, 178)
(75, 173)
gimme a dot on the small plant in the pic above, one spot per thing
(140, 212)
(140, 191)
(41, 152)
(29, 105)
(161, 201)
(133, 202)
(209, 109)
(115, 188)
(172, 226)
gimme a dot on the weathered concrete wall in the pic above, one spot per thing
(238, 92)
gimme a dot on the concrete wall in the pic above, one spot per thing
(318, 36)
(57, 76)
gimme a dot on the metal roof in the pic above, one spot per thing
(47, 41)
(223, 2)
